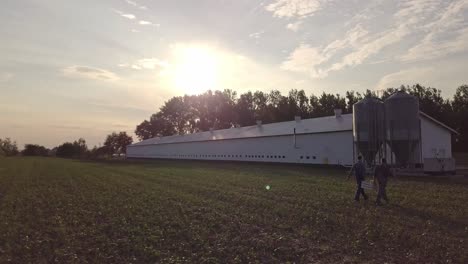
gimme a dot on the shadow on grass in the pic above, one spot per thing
(439, 179)
(437, 219)
(226, 165)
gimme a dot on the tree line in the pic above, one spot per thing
(114, 144)
(225, 109)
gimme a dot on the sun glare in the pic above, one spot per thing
(195, 69)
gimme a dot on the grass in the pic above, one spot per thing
(64, 211)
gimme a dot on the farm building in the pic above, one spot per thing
(324, 140)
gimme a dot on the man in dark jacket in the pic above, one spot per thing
(382, 172)
(359, 170)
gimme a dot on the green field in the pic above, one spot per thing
(54, 210)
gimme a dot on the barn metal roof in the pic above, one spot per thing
(439, 123)
(304, 126)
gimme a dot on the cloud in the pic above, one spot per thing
(437, 42)
(5, 77)
(256, 35)
(135, 4)
(128, 16)
(147, 23)
(308, 59)
(295, 8)
(146, 64)
(372, 33)
(89, 73)
(370, 48)
(408, 76)
(304, 59)
(294, 26)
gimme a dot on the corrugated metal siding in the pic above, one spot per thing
(334, 148)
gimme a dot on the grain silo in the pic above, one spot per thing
(369, 129)
(403, 128)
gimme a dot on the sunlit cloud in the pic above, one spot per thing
(362, 41)
(295, 8)
(303, 58)
(146, 64)
(147, 23)
(128, 16)
(408, 76)
(437, 43)
(294, 26)
(135, 4)
(256, 35)
(87, 72)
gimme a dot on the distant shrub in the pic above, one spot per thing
(35, 150)
(77, 149)
(8, 147)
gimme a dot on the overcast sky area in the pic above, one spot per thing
(85, 68)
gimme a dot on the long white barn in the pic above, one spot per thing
(324, 140)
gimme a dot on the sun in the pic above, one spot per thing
(195, 69)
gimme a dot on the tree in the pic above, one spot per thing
(351, 98)
(77, 149)
(34, 150)
(8, 147)
(245, 109)
(218, 110)
(460, 109)
(98, 152)
(116, 143)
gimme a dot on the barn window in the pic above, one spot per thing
(263, 156)
(284, 157)
(302, 157)
(307, 157)
(314, 157)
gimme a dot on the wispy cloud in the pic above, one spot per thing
(294, 26)
(146, 64)
(147, 23)
(443, 33)
(256, 35)
(407, 76)
(295, 8)
(123, 14)
(303, 59)
(89, 73)
(437, 43)
(135, 4)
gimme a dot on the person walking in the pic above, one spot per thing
(359, 170)
(382, 172)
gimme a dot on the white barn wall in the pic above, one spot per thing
(436, 140)
(334, 148)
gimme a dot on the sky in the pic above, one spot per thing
(72, 69)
